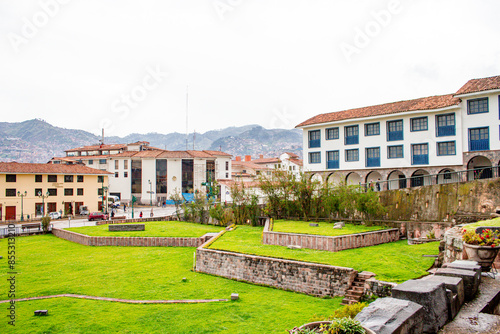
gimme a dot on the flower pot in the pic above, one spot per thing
(484, 255)
(317, 324)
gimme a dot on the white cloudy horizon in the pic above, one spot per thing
(126, 65)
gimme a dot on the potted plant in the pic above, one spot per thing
(344, 325)
(482, 247)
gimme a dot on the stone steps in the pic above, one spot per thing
(355, 292)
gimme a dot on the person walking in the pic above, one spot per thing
(140, 215)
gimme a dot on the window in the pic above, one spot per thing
(314, 138)
(100, 178)
(79, 191)
(395, 152)
(352, 155)
(446, 148)
(10, 192)
(68, 192)
(373, 157)
(479, 139)
(52, 178)
(91, 162)
(332, 159)
(38, 190)
(68, 178)
(99, 191)
(10, 178)
(314, 157)
(125, 174)
(125, 164)
(351, 135)
(38, 178)
(79, 178)
(420, 154)
(102, 161)
(52, 191)
(418, 124)
(117, 162)
(332, 133)
(395, 130)
(136, 182)
(117, 174)
(477, 106)
(372, 129)
(227, 165)
(445, 125)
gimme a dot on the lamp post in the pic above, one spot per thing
(22, 195)
(150, 193)
(43, 197)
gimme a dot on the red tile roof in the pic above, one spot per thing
(424, 103)
(175, 154)
(266, 161)
(298, 162)
(106, 147)
(218, 153)
(29, 168)
(480, 85)
(248, 164)
(148, 154)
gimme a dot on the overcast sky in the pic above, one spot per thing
(125, 65)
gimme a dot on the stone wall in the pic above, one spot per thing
(378, 288)
(135, 220)
(128, 241)
(332, 244)
(309, 278)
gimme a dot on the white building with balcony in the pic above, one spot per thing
(409, 143)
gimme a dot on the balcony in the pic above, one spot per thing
(314, 143)
(395, 135)
(373, 162)
(420, 159)
(332, 164)
(448, 130)
(351, 140)
(479, 145)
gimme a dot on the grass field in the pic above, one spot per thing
(324, 228)
(47, 265)
(153, 229)
(393, 262)
(491, 222)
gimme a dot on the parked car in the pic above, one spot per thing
(55, 215)
(114, 205)
(98, 216)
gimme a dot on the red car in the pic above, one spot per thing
(98, 215)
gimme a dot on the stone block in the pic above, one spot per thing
(464, 265)
(294, 247)
(431, 295)
(471, 279)
(235, 296)
(313, 224)
(455, 284)
(127, 227)
(392, 316)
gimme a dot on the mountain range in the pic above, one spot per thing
(38, 141)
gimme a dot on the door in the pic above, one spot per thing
(402, 181)
(51, 207)
(10, 213)
(68, 208)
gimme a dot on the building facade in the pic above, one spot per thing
(32, 190)
(409, 143)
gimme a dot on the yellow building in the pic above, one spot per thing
(30, 190)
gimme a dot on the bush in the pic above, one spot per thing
(45, 223)
(347, 311)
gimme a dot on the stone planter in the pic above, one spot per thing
(317, 324)
(484, 255)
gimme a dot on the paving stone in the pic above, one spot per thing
(392, 316)
(431, 295)
(464, 265)
(471, 279)
(455, 284)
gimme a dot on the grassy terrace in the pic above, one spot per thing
(324, 228)
(153, 229)
(491, 222)
(394, 262)
(47, 265)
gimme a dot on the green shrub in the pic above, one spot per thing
(347, 311)
(343, 326)
(46, 223)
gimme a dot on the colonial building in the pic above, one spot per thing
(409, 143)
(151, 174)
(37, 189)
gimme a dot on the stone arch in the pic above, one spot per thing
(353, 178)
(374, 180)
(480, 167)
(317, 177)
(447, 175)
(396, 180)
(420, 177)
(334, 178)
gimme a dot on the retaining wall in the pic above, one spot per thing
(327, 243)
(310, 278)
(135, 220)
(129, 241)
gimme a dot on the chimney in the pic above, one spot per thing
(261, 156)
(248, 158)
(238, 158)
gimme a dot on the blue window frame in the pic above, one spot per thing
(332, 133)
(332, 159)
(446, 148)
(395, 130)
(420, 154)
(373, 157)
(314, 138)
(394, 152)
(419, 124)
(314, 157)
(372, 129)
(445, 125)
(479, 139)
(477, 106)
(351, 135)
(352, 155)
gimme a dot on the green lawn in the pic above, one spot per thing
(491, 222)
(47, 265)
(394, 262)
(324, 228)
(153, 229)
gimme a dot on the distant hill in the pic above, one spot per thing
(38, 141)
